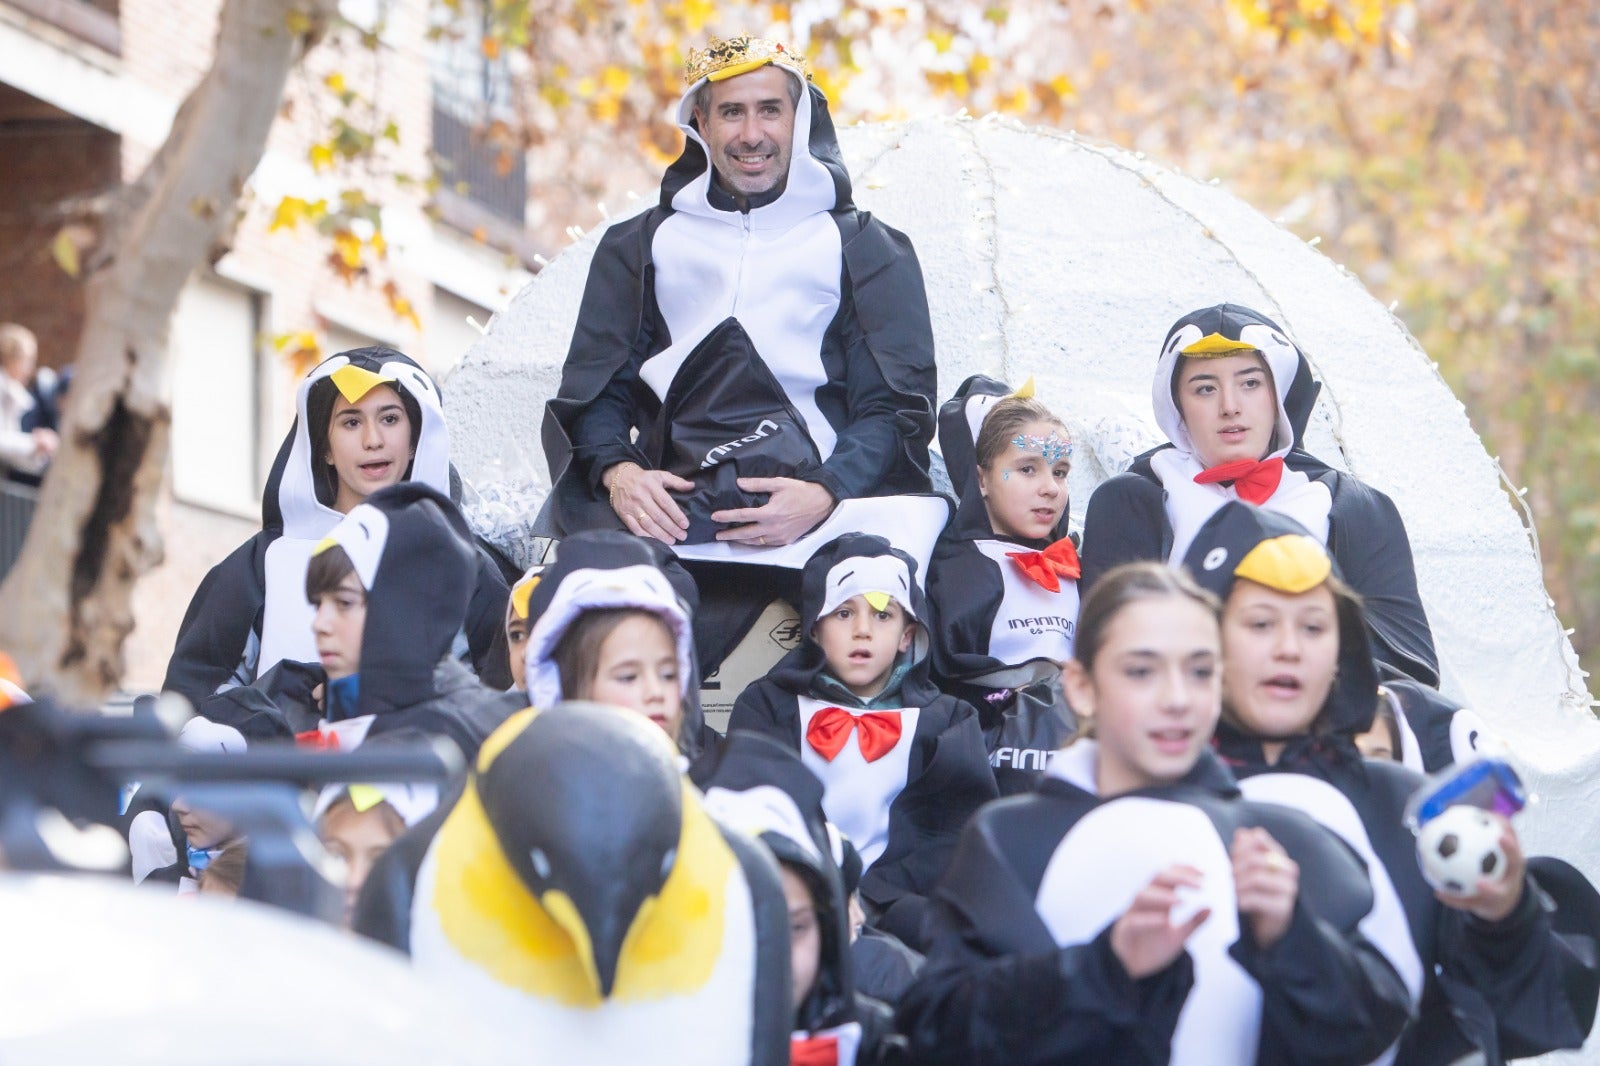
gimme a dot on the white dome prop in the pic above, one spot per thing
(1049, 255)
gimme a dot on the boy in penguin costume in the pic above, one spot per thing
(578, 882)
(608, 570)
(413, 554)
(902, 765)
(250, 611)
(1006, 604)
(1434, 732)
(769, 342)
(761, 788)
(1137, 909)
(1496, 973)
(1225, 365)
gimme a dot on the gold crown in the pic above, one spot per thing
(729, 57)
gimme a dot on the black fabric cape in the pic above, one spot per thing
(1021, 705)
(995, 989)
(408, 680)
(219, 636)
(947, 777)
(878, 354)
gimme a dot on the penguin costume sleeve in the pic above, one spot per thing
(1006, 609)
(901, 785)
(250, 611)
(1153, 510)
(760, 787)
(1020, 967)
(415, 556)
(1521, 986)
(830, 298)
(577, 882)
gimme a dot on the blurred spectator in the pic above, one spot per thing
(26, 443)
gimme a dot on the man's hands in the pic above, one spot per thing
(643, 500)
(793, 509)
(1145, 939)
(45, 443)
(1496, 899)
(1267, 882)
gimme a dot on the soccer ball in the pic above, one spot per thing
(1459, 848)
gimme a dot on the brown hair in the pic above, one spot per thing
(326, 571)
(1000, 425)
(1127, 584)
(393, 821)
(577, 653)
(225, 872)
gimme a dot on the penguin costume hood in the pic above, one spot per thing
(250, 612)
(831, 299)
(1242, 541)
(602, 569)
(578, 880)
(757, 786)
(1155, 509)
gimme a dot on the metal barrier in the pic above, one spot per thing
(16, 513)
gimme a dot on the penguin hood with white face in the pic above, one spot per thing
(413, 552)
(1227, 329)
(961, 421)
(1241, 541)
(296, 501)
(817, 179)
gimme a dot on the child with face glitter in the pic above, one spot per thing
(1003, 581)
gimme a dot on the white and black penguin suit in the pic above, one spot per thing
(999, 638)
(1509, 989)
(577, 883)
(1152, 510)
(414, 554)
(1020, 968)
(904, 810)
(250, 611)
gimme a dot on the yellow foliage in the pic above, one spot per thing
(586, 87)
(605, 108)
(335, 82)
(65, 252)
(302, 350)
(614, 79)
(490, 46)
(1017, 102)
(321, 156)
(347, 246)
(291, 211)
(696, 13)
(1062, 86)
(980, 65)
(379, 246)
(401, 306)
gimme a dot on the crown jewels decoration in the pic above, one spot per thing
(731, 56)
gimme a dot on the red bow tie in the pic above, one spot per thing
(814, 1051)
(1255, 482)
(316, 738)
(1047, 568)
(877, 732)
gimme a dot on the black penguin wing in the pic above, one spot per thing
(1126, 522)
(927, 817)
(771, 1016)
(225, 610)
(1368, 538)
(1328, 994)
(995, 988)
(486, 624)
(765, 708)
(965, 591)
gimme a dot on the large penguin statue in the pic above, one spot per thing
(578, 879)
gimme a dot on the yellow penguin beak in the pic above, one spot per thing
(1292, 564)
(1026, 391)
(354, 382)
(521, 594)
(878, 601)
(1215, 344)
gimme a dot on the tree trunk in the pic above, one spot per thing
(68, 601)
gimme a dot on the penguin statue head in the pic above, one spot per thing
(578, 864)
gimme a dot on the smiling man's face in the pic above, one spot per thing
(748, 125)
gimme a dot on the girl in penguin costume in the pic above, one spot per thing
(1005, 598)
(1224, 366)
(1497, 972)
(578, 886)
(903, 770)
(249, 612)
(1135, 908)
(413, 553)
(614, 572)
(761, 788)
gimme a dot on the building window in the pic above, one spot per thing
(480, 159)
(216, 367)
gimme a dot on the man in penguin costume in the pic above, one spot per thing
(578, 882)
(903, 769)
(1519, 985)
(756, 785)
(250, 612)
(769, 342)
(1005, 614)
(1153, 510)
(414, 555)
